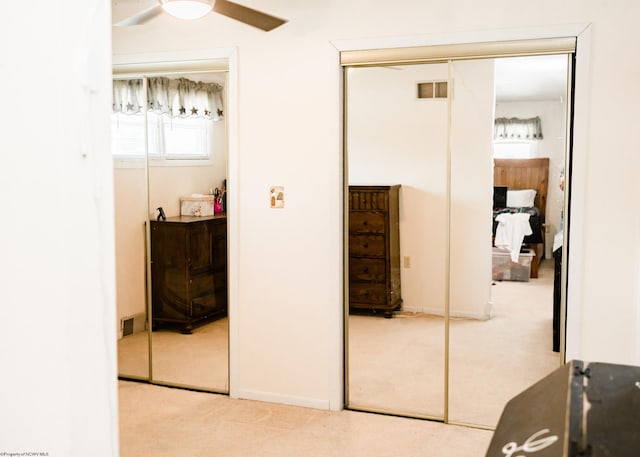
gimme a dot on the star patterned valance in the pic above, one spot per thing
(517, 129)
(179, 97)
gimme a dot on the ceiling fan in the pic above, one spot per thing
(193, 9)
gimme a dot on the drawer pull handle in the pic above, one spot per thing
(366, 270)
(365, 245)
(364, 223)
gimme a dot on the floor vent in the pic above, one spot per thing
(127, 327)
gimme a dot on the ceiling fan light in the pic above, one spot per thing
(187, 9)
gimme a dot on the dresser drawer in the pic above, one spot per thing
(201, 284)
(367, 245)
(367, 200)
(363, 270)
(208, 304)
(367, 222)
(373, 294)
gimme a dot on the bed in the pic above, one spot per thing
(523, 174)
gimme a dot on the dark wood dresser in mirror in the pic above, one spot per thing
(188, 271)
(374, 249)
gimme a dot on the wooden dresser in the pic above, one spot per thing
(188, 271)
(374, 249)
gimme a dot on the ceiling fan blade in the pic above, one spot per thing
(141, 17)
(249, 16)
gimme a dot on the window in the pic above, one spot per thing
(514, 149)
(127, 136)
(168, 138)
(180, 117)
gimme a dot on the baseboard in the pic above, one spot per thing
(271, 397)
(140, 323)
(462, 315)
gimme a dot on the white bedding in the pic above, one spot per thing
(511, 230)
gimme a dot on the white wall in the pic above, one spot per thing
(553, 119)
(58, 382)
(130, 210)
(395, 138)
(289, 272)
(472, 114)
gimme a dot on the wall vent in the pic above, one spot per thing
(432, 90)
(127, 326)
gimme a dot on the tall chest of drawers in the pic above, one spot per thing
(188, 271)
(374, 249)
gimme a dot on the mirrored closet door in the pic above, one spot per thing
(130, 205)
(463, 335)
(396, 164)
(185, 229)
(501, 300)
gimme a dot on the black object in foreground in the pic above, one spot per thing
(576, 411)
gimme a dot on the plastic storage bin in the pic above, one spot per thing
(503, 269)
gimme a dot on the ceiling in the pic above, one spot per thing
(533, 78)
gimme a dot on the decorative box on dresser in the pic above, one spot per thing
(188, 271)
(374, 249)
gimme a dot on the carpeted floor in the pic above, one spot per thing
(397, 364)
(200, 359)
(163, 422)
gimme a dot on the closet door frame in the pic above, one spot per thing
(494, 44)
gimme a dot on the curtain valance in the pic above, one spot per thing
(174, 97)
(517, 129)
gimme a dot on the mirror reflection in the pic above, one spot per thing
(500, 313)
(396, 153)
(187, 235)
(522, 150)
(130, 207)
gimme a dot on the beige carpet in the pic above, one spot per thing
(198, 360)
(398, 364)
(163, 422)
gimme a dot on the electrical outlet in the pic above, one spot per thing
(407, 261)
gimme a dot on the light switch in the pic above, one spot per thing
(407, 261)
